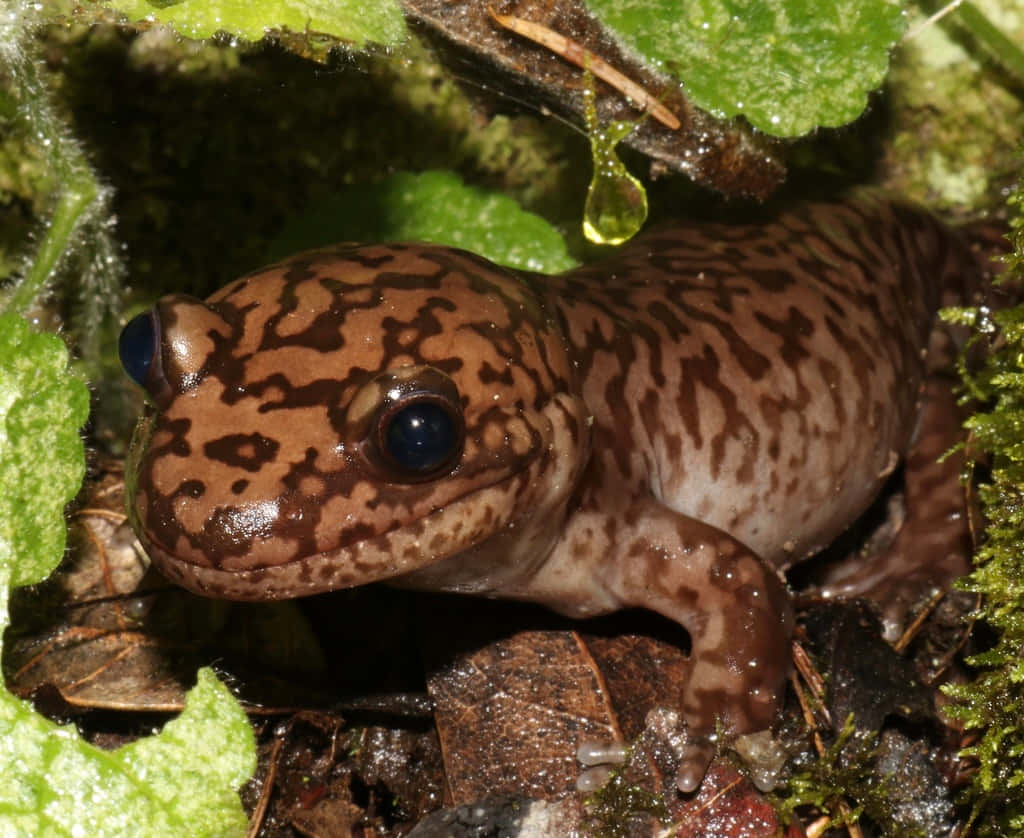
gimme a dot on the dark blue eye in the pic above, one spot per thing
(137, 345)
(421, 437)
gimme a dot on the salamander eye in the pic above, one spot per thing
(137, 346)
(420, 434)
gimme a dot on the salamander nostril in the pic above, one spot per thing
(421, 437)
(137, 345)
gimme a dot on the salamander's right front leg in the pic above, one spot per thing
(734, 606)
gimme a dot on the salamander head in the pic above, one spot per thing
(349, 415)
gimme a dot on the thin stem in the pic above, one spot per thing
(77, 194)
(999, 47)
(933, 19)
(77, 191)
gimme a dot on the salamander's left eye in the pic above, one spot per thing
(420, 434)
(137, 346)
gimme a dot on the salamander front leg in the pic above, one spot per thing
(735, 608)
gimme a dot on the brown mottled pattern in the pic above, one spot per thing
(760, 377)
(744, 391)
(260, 462)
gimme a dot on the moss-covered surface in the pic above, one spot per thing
(992, 707)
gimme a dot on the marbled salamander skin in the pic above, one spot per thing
(668, 429)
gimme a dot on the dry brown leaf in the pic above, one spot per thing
(727, 156)
(511, 715)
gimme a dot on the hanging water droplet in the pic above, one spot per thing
(616, 205)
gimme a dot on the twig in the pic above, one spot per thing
(575, 53)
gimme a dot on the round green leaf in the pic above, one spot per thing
(435, 207)
(786, 65)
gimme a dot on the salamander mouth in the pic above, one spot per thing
(459, 525)
(297, 545)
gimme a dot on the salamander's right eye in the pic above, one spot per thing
(421, 434)
(137, 346)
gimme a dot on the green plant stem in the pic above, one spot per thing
(77, 194)
(999, 47)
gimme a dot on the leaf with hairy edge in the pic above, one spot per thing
(183, 781)
(357, 23)
(786, 65)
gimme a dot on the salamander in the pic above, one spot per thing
(670, 429)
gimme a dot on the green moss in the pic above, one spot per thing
(843, 776)
(993, 704)
(616, 803)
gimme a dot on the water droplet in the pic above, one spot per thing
(616, 205)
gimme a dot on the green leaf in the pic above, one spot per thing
(42, 460)
(180, 782)
(787, 65)
(380, 22)
(435, 207)
(183, 781)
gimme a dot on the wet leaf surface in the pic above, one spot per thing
(81, 632)
(522, 817)
(788, 65)
(901, 766)
(641, 670)
(512, 714)
(514, 707)
(729, 806)
(869, 679)
(726, 155)
(320, 775)
(918, 789)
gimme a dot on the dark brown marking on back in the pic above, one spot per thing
(248, 451)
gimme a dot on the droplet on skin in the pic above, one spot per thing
(593, 778)
(764, 756)
(600, 753)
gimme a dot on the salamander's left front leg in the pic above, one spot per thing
(734, 606)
